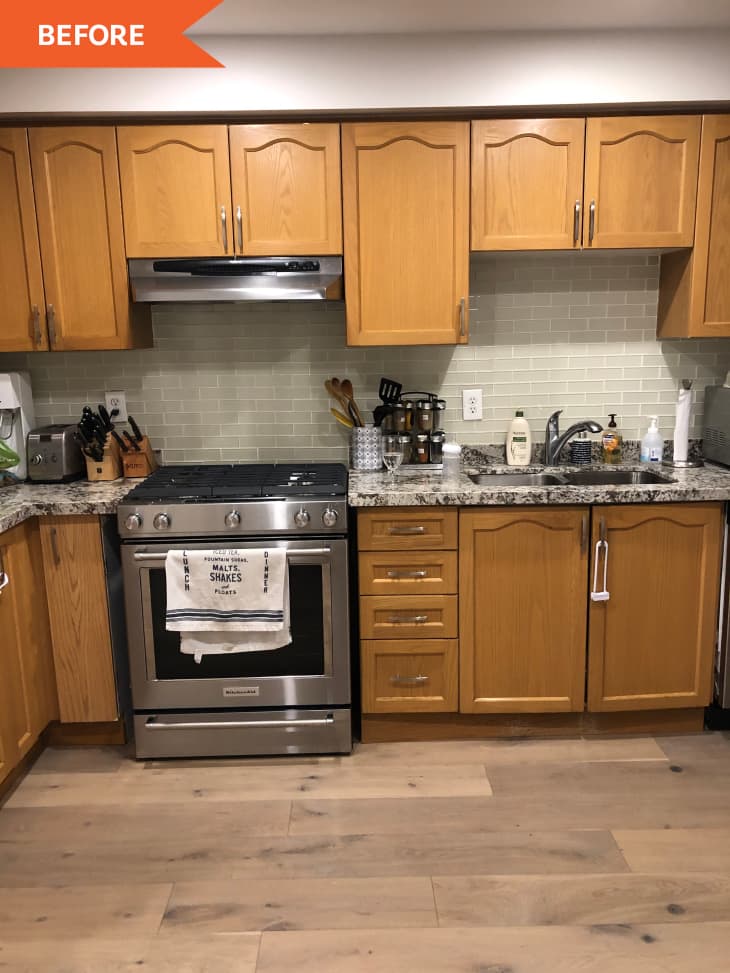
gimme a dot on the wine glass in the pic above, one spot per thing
(392, 456)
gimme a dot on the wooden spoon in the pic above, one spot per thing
(349, 392)
(333, 387)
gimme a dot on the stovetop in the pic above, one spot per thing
(246, 481)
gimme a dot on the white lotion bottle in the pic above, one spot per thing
(652, 445)
(519, 441)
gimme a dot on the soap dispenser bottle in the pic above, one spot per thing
(652, 445)
(519, 441)
(611, 441)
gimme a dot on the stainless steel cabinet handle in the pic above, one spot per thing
(398, 680)
(462, 317)
(152, 724)
(407, 574)
(576, 221)
(161, 556)
(239, 228)
(407, 530)
(584, 533)
(591, 220)
(408, 619)
(51, 316)
(54, 548)
(224, 229)
(36, 324)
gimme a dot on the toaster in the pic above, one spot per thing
(54, 455)
(716, 424)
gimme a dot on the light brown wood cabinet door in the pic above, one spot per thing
(641, 181)
(522, 609)
(176, 190)
(78, 612)
(286, 189)
(527, 183)
(405, 189)
(27, 684)
(694, 290)
(23, 326)
(76, 183)
(651, 644)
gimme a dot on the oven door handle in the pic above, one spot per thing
(155, 556)
(152, 724)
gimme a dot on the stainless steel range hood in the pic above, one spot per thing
(209, 279)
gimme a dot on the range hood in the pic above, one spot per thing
(207, 279)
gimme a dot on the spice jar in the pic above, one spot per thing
(436, 446)
(421, 450)
(424, 416)
(438, 414)
(408, 406)
(406, 445)
(399, 418)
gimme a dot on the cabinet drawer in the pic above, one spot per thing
(408, 573)
(409, 676)
(409, 529)
(408, 616)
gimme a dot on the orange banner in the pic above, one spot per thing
(103, 34)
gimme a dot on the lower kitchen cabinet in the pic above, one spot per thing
(651, 643)
(523, 582)
(27, 680)
(410, 675)
(76, 590)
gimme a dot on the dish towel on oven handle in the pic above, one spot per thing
(224, 601)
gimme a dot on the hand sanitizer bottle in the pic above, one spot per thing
(652, 445)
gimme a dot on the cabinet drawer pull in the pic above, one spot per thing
(576, 221)
(398, 680)
(224, 229)
(36, 325)
(591, 221)
(239, 228)
(407, 574)
(51, 317)
(407, 619)
(420, 529)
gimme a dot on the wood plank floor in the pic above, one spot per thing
(583, 856)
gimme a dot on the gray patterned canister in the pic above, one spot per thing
(366, 448)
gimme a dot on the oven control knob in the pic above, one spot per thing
(161, 522)
(329, 517)
(233, 519)
(133, 522)
(301, 517)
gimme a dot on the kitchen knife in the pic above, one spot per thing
(119, 441)
(132, 442)
(105, 418)
(135, 429)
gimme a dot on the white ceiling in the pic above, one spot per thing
(433, 16)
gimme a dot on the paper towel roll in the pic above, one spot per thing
(681, 425)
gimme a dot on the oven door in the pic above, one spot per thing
(313, 670)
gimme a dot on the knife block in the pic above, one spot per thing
(108, 468)
(139, 464)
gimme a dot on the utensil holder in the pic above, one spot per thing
(137, 465)
(109, 467)
(580, 452)
(366, 449)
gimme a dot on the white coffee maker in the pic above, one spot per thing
(17, 418)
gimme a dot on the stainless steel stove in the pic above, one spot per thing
(290, 700)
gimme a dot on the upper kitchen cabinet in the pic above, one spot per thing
(533, 190)
(406, 214)
(21, 279)
(694, 288)
(527, 183)
(78, 202)
(641, 181)
(176, 190)
(286, 189)
(277, 192)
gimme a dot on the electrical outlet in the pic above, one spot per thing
(116, 400)
(471, 404)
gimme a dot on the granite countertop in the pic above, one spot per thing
(414, 488)
(19, 503)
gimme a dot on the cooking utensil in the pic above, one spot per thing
(342, 419)
(389, 391)
(380, 412)
(348, 391)
(131, 442)
(105, 418)
(336, 393)
(135, 429)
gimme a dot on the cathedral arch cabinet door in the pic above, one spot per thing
(523, 585)
(405, 194)
(651, 644)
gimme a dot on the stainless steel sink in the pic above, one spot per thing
(498, 480)
(613, 477)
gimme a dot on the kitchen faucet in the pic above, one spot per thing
(554, 442)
